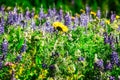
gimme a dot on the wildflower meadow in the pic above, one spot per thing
(55, 44)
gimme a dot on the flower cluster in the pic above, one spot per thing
(30, 46)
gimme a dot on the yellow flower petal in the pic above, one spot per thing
(81, 10)
(93, 13)
(61, 26)
(36, 17)
(117, 17)
(107, 21)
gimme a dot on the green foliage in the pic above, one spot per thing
(73, 5)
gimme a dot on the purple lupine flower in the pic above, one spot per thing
(87, 10)
(4, 46)
(32, 13)
(60, 12)
(49, 12)
(111, 78)
(2, 21)
(60, 15)
(48, 26)
(44, 65)
(15, 10)
(54, 11)
(15, 17)
(76, 21)
(67, 19)
(23, 48)
(27, 15)
(21, 16)
(118, 28)
(105, 34)
(81, 59)
(108, 66)
(52, 67)
(112, 18)
(10, 19)
(2, 9)
(1, 58)
(18, 58)
(1, 29)
(33, 25)
(99, 13)
(111, 41)
(52, 70)
(105, 38)
(99, 64)
(22, 23)
(114, 58)
(102, 23)
(118, 64)
(41, 13)
(1, 64)
(84, 19)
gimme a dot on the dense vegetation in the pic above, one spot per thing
(55, 45)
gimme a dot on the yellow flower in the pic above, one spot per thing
(21, 70)
(71, 69)
(69, 78)
(44, 71)
(8, 8)
(107, 21)
(13, 66)
(60, 26)
(93, 13)
(50, 79)
(78, 15)
(16, 76)
(41, 76)
(36, 16)
(10, 71)
(81, 10)
(117, 17)
(73, 17)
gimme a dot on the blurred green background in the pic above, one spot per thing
(74, 5)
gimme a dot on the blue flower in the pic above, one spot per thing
(108, 66)
(114, 58)
(113, 16)
(1, 29)
(44, 65)
(67, 19)
(111, 78)
(1, 64)
(19, 57)
(87, 10)
(23, 49)
(4, 46)
(99, 64)
(41, 13)
(99, 13)
(81, 59)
